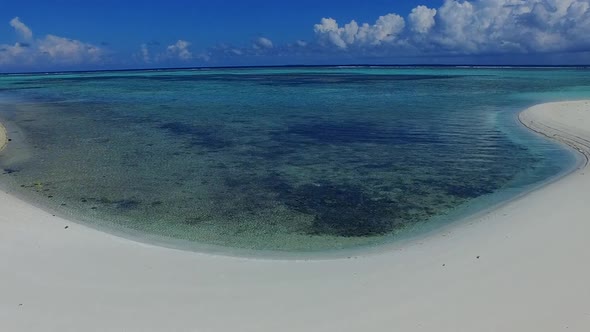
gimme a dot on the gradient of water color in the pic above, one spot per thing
(284, 159)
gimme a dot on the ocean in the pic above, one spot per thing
(287, 160)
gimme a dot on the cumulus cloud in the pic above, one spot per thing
(21, 28)
(8, 53)
(50, 49)
(461, 28)
(469, 27)
(155, 53)
(385, 30)
(179, 50)
(262, 43)
(422, 19)
(511, 25)
(329, 31)
(64, 50)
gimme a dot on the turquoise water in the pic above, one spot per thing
(280, 159)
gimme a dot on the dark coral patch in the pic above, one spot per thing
(320, 131)
(340, 209)
(10, 171)
(465, 191)
(198, 135)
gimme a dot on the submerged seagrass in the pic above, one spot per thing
(297, 159)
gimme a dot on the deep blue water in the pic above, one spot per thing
(287, 159)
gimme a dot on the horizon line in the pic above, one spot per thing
(585, 66)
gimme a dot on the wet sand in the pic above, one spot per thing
(3, 137)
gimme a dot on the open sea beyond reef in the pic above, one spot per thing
(279, 159)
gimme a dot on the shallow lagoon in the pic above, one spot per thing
(286, 159)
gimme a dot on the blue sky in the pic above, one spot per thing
(58, 35)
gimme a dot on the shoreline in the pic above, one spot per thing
(574, 140)
(521, 266)
(440, 224)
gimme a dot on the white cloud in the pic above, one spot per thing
(328, 31)
(512, 25)
(204, 57)
(145, 53)
(21, 28)
(179, 50)
(262, 43)
(301, 43)
(8, 53)
(422, 19)
(153, 53)
(469, 27)
(50, 49)
(68, 51)
(385, 30)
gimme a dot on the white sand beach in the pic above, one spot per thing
(522, 267)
